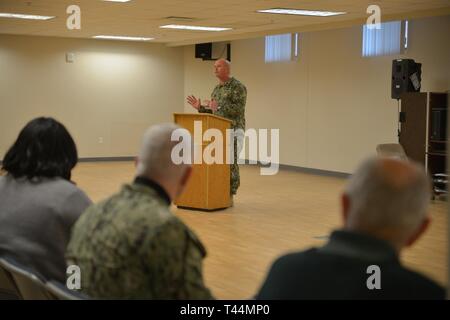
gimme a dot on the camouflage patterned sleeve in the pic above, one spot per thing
(179, 262)
(194, 287)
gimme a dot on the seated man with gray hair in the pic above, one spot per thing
(131, 246)
(384, 209)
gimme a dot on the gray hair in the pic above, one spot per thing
(388, 193)
(155, 154)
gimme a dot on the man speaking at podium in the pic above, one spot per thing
(228, 101)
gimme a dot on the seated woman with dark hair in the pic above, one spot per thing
(38, 202)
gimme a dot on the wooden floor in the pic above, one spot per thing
(272, 215)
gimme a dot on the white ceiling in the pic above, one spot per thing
(143, 17)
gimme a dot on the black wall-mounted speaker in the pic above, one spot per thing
(203, 51)
(406, 77)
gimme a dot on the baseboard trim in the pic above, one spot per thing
(319, 172)
(286, 167)
(106, 159)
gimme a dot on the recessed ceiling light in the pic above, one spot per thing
(24, 16)
(123, 38)
(195, 28)
(301, 12)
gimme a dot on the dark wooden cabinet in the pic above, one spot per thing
(413, 130)
(423, 133)
(437, 141)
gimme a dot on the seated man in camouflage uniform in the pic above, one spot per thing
(131, 246)
(228, 101)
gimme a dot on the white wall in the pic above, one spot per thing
(332, 106)
(113, 90)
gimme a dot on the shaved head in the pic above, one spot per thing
(223, 62)
(155, 161)
(222, 69)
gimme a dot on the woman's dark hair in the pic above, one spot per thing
(44, 148)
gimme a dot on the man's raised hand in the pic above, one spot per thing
(194, 102)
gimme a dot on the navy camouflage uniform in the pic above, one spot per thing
(231, 98)
(131, 246)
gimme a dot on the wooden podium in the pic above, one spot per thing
(209, 186)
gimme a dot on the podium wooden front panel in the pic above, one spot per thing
(209, 186)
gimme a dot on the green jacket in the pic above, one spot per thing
(231, 98)
(131, 246)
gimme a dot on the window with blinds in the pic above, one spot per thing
(281, 47)
(386, 40)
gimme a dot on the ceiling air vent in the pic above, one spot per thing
(180, 19)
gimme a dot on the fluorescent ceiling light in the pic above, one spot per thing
(196, 28)
(24, 16)
(123, 38)
(302, 12)
(117, 0)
